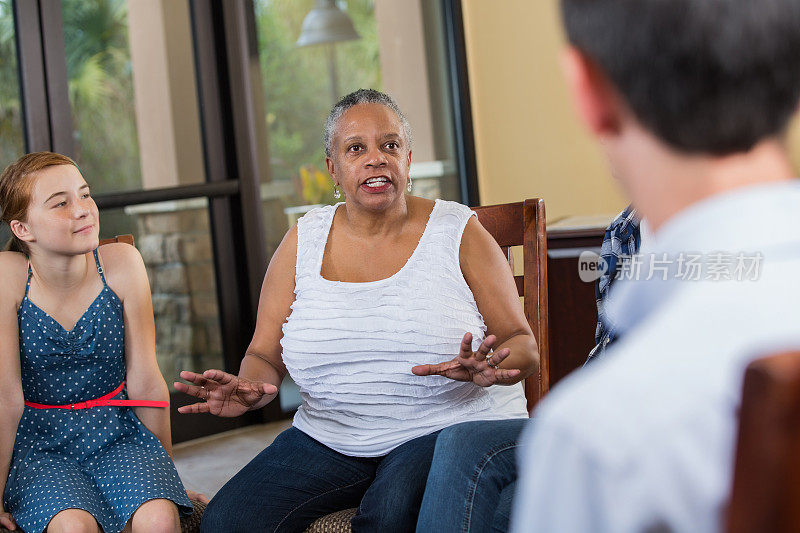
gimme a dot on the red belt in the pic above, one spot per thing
(101, 401)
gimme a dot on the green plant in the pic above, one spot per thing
(316, 186)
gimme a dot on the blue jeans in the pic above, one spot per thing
(472, 479)
(296, 480)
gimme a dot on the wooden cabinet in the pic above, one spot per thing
(573, 311)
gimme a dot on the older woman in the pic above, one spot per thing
(357, 296)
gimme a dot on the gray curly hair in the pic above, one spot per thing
(361, 96)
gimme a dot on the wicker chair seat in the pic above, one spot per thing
(338, 522)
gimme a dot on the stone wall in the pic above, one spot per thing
(176, 248)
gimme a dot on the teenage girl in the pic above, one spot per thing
(84, 420)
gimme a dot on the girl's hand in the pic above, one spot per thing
(7, 521)
(224, 394)
(197, 496)
(479, 367)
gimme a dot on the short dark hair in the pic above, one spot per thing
(705, 76)
(361, 96)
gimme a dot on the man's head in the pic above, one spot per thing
(704, 76)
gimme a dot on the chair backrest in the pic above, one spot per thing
(523, 224)
(127, 239)
(766, 481)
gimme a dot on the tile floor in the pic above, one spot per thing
(206, 464)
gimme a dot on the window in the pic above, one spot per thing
(175, 243)
(12, 143)
(132, 93)
(400, 50)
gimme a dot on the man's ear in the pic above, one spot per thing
(594, 97)
(21, 231)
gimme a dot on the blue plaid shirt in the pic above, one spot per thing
(622, 239)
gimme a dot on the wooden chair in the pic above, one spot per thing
(766, 481)
(127, 239)
(523, 224)
(515, 224)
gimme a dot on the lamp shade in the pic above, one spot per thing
(326, 23)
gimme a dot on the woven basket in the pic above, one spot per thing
(338, 522)
(191, 523)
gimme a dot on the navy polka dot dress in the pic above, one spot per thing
(101, 459)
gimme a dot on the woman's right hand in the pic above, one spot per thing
(7, 521)
(224, 394)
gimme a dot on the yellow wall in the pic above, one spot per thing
(528, 140)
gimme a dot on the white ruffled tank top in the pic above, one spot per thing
(350, 346)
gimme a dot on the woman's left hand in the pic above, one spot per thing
(479, 367)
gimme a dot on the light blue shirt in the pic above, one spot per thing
(644, 440)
